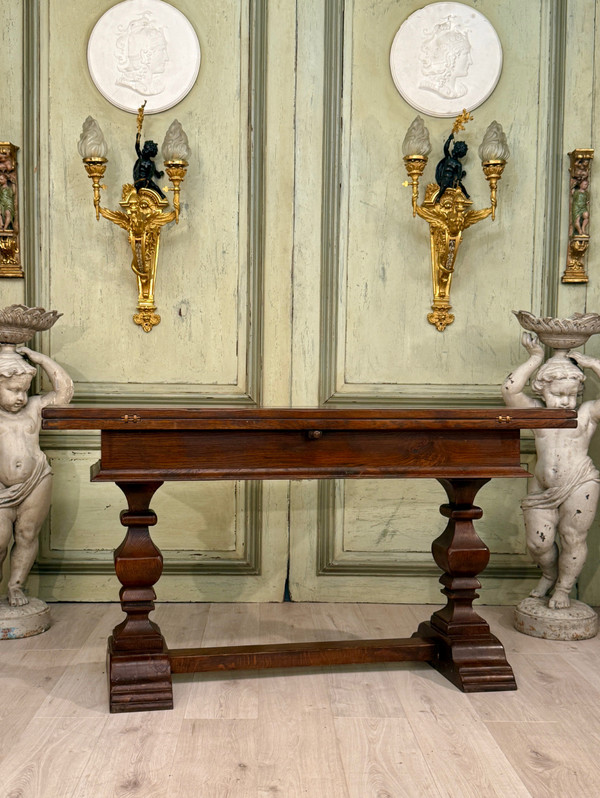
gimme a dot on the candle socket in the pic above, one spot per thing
(415, 166)
(176, 170)
(95, 167)
(493, 172)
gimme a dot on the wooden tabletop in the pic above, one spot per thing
(111, 418)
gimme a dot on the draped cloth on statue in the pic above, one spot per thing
(14, 495)
(552, 498)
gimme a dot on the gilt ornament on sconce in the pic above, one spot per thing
(144, 205)
(446, 206)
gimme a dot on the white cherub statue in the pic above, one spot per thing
(25, 477)
(564, 490)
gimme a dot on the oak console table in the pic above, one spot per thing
(462, 449)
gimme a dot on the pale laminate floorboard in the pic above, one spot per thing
(548, 685)
(381, 757)
(81, 692)
(548, 759)
(367, 691)
(133, 756)
(215, 759)
(297, 750)
(71, 623)
(28, 677)
(225, 696)
(290, 623)
(587, 664)
(297, 747)
(93, 649)
(391, 620)
(182, 629)
(344, 732)
(25, 681)
(456, 744)
(49, 758)
(583, 727)
(501, 624)
(364, 691)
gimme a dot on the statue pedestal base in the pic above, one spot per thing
(26, 621)
(534, 617)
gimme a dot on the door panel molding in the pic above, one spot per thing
(246, 388)
(334, 388)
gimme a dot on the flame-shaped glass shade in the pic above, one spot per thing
(494, 146)
(91, 142)
(416, 141)
(175, 147)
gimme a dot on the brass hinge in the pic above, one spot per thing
(503, 419)
(130, 419)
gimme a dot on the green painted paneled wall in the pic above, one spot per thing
(297, 276)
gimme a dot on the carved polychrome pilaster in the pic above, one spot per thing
(10, 250)
(579, 216)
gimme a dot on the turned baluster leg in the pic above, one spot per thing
(467, 653)
(138, 663)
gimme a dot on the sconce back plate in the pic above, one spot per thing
(143, 50)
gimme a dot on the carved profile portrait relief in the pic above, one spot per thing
(142, 55)
(446, 57)
(143, 49)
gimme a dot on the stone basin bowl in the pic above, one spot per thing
(561, 333)
(19, 323)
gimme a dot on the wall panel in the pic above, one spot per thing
(297, 275)
(206, 282)
(210, 293)
(374, 342)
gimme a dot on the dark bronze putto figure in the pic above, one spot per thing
(144, 168)
(449, 172)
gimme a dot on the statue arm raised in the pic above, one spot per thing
(447, 145)
(62, 384)
(587, 362)
(513, 386)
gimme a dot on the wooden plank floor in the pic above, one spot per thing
(380, 731)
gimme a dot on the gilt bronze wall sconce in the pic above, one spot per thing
(144, 205)
(579, 215)
(446, 204)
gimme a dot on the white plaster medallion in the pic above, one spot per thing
(143, 50)
(446, 57)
